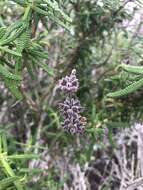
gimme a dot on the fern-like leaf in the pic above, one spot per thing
(5, 73)
(12, 37)
(2, 31)
(51, 16)
(13, 86)
(54, 5)
(12, 52)
(132, 69)
(11, 28)
(129, 89)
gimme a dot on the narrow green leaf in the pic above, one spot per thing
(13, 86)
(11, 28)
(13, 36)
(46, 68)
(10, 172)
(52, 17)
(0, 144)
(54, 5)
(40, 54)
(31, 171)
(133, 69)
(6, 166)
(7, 182)
(129, 89)
(4, 72)
(23, 156)
(2, 31)
(4, 142)
(10, 51)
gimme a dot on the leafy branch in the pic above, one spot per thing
(17, 45)
(138, 70)
(11, 180)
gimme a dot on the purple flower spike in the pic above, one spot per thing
(73, 121)
(69, 83)
(70, 109)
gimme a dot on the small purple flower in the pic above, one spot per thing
(69, 83)
(74, 126)
(70, 106)
(73, 121)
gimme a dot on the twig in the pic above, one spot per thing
(39, 128)
(135, 184)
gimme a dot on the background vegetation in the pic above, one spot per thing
(41, 41)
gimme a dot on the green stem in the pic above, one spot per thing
(27, 11)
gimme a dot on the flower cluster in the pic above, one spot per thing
(70, 83)
(71, 108)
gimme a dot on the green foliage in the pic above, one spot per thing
(41, 46)
(11, 180)
(132, 69)
(133, 86)
(16, 42)
(129, 89)
(6, 74)
(5, 183)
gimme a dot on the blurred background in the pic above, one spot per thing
(102, 35)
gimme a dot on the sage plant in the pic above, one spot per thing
(71, 108)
